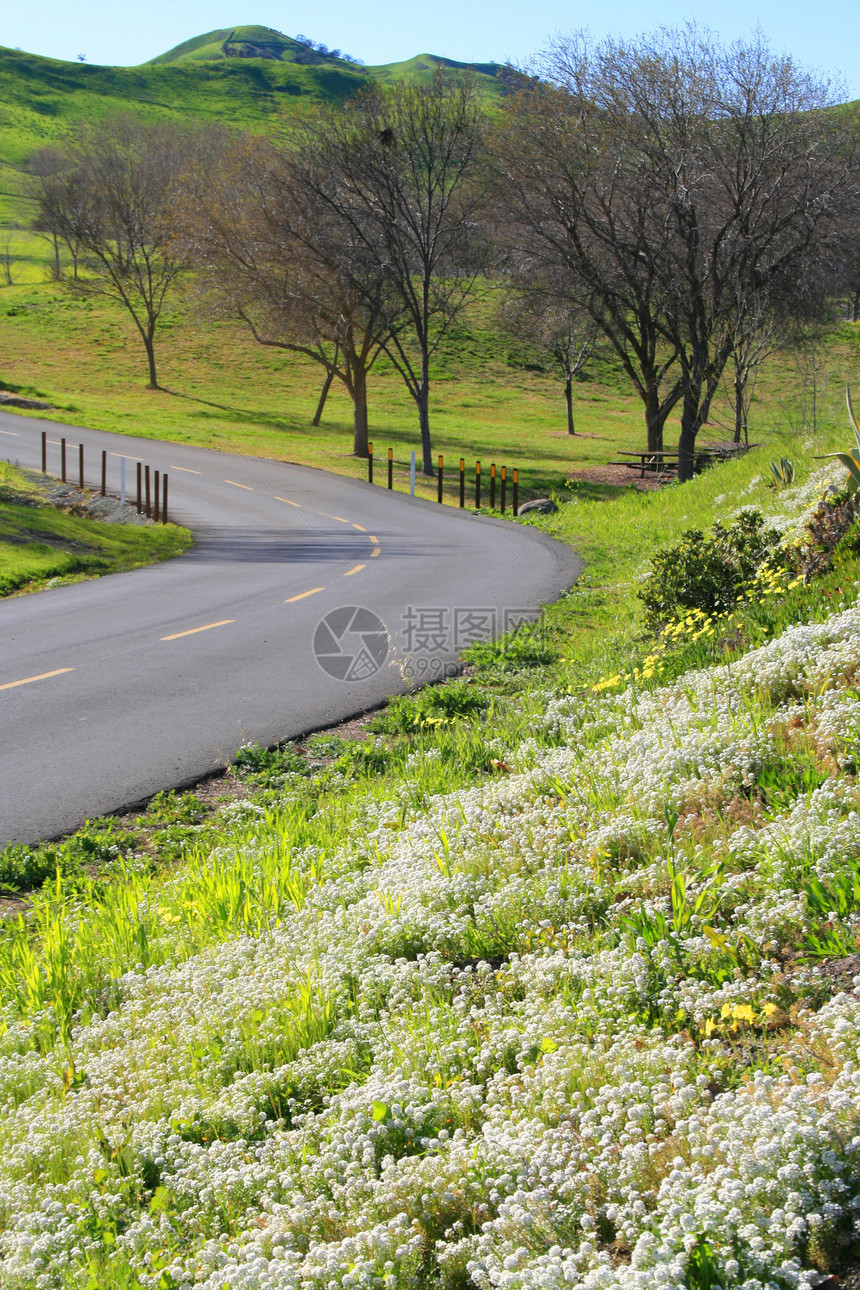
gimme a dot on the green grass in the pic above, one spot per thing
(460, 967)
(42, 98)
(491, 399)
(40, 544)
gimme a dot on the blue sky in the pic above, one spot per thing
(390, 30)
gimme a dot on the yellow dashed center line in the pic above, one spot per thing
(186, 470)
(356, 569)
(375, 540)
(287, 500)
(192, 631)
(313, 591)
(13, 433)
(360, 528)
(376, 550)
(127, 456)
(339, 518)
(43, 676)
(247, 487)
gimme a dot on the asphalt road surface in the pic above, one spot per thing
(113, 689)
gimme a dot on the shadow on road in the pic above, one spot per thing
(255, 546)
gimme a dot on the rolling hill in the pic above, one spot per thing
(250, 77)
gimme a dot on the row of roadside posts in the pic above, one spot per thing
(498, 481)
(151, 485)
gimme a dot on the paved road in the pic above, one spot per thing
(113, 689)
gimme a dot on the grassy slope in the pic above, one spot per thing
(488, 400)
(40, 543)
(41, 98)
(561, 1017)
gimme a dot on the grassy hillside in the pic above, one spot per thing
(543, 982)
(251, 77)
(490, 399)
(39, 543)
(241, 42)
(40, 97)
(421, 69)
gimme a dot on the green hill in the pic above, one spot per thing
(41, 97)
(250, 77)
(233, 42)
(422, 66)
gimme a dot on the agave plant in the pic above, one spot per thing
(851, 459)
(783, 472)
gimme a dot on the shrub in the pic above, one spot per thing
(525, 648)
(707, 573)
(437, 705)
(268, 765)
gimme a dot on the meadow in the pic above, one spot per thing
(545, 979)
(493, 398)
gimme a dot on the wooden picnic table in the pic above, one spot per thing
(663, 460)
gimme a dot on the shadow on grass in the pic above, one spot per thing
(250, 416)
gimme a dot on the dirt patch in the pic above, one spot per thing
(841, 973)
(621, 477)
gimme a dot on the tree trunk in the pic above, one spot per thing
(149, 342)
(568, 397)
(687, 440)
(323, 396)
(655, 419)
(424, 423)
(423, 401)
(359, 412)
(855, 307)
(57, 270)
(739, 407)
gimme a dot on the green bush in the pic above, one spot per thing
(708, 573)
(22, 867)
(169, 807)
(523, 649)
(268, 765)
(95, 846)
(436, 705)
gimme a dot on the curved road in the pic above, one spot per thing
(113, 689)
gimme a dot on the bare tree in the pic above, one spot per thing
(110, 196)
(400, 174)
(576, 215)
(7, 257)
(756, 337)
(566, 335)
(272, 255)
(50, 169)
(669, 176)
